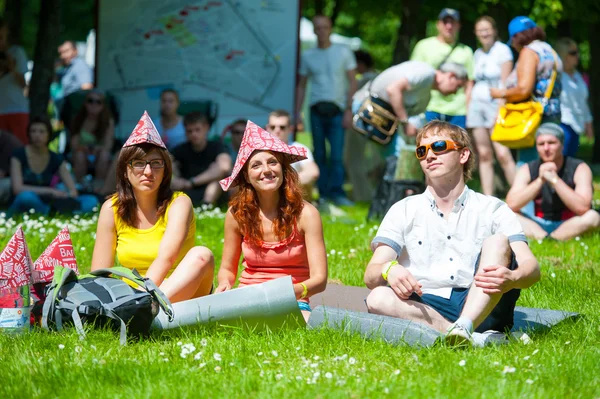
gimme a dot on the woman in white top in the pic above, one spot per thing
(170, 125)
(576, 117)
(493, 63)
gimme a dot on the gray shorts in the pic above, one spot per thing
(482, 114)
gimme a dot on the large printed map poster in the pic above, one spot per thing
(240, 54)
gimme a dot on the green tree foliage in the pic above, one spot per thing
(377, 23)
(77, 19)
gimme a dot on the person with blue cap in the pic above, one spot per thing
(537, 69)
(561, 188)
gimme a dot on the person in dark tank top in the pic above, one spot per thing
(561, 188)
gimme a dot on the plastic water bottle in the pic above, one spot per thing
(15, 311)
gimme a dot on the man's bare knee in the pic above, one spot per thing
(496, 247)
(591, 219)
(497, 242)
(378, 300)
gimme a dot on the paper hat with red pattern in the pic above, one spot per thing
(59, 252)
(15, 263)
(257, 139)
(145, 132)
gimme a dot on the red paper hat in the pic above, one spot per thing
(59, 252)
(255, 138)
(145, 132)
(15, 263)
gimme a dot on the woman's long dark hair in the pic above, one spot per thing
(42, 120)
(104, 118)
(125, 200)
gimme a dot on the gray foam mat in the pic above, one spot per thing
(343, 307)
(269, 305)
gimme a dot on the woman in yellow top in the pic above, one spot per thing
(149, 227)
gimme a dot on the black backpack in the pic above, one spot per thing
(99, 300)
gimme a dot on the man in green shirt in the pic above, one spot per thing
(443, 48)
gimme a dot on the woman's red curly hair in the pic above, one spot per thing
(246, 210)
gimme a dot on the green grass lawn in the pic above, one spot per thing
(228, 362)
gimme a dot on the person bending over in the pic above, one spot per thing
(268, 222)
(561, 188)
(450, 258)
(148, 226)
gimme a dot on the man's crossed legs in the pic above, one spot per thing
(539, 228)
(466, 309)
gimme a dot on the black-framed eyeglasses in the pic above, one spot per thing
(140, 164)
(94, 101)
(574, 53)
(237, 131)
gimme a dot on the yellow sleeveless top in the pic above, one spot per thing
(137, 248)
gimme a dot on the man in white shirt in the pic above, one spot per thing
(450, 258)
(75, 74)
(280, 126)
(331, 69)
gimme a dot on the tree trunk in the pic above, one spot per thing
(43, 58)
(13, 14)
(564, 29)
(336, 10)
(501, 16)
(467, 33)
(319, 7)
(412, 26)
(594, 71)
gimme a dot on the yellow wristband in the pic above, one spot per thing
(304, 292)
(387, 269)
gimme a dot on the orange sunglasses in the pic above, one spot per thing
(437, 147)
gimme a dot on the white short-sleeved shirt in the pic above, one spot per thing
(488, 69)
(326, 69)
(75, 75)
(440, 253)
(419, 75)
(574, 107)
(12, 100)
(309, 157)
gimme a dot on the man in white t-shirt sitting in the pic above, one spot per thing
(280, 125)
(450, 258)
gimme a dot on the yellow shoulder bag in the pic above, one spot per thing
(517, 123)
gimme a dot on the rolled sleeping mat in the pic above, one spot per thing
(372, 326)
(394, 330)
(272, 304)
